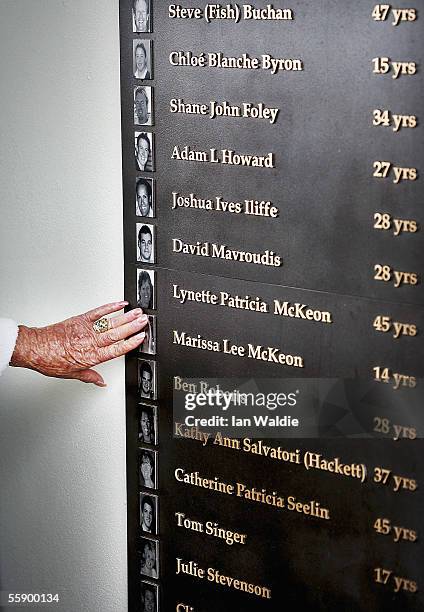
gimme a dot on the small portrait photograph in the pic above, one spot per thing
(144, 151)
(149, 343)
(149, 597)
(146, 298)
(147, 379)
(141, 16)
(148, 468)
(143, 105)
(145, 236)
(145, 197)
(149, 513)
(142, 62)
(149, 563)
(148, 424)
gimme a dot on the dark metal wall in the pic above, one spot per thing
(325, 182)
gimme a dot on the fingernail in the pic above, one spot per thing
(140, 336)
(137, 311)
(142, 319)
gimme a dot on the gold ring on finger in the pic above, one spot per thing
(101, 325)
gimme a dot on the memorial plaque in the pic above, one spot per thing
(272, 159)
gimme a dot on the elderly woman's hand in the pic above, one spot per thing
(69, 349)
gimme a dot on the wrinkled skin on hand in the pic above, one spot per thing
(71, 348)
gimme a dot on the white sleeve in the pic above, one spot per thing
(8, 335)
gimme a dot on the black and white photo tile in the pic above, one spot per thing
(149, 558)
(145, 202)
(146, 289)
(148, 472)
(147, 380)
(149, 345)
(145, 237)
(147, 424)
(142, 59)
(149, 513)
(141, 16)
(144, 151)
(149, 592)
(143, 105)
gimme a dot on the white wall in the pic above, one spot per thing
(62, 443)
